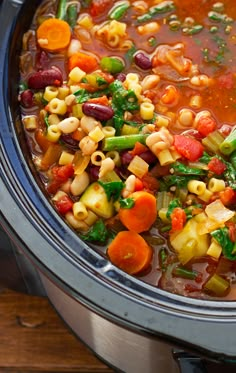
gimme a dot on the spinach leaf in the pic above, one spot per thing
(112, 189)
(182, 169)
(172, 205)
(175, 180)
(97, 233)
(221, 235)
(126, 203)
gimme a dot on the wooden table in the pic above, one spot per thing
(33, 338)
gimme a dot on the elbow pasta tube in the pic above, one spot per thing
(76, 75)
(53, 133)
(216, 185)
(131, 79)
(108, 131)
(75, 223)
(106, 166)
(115, 156)
(79, 183)
(50, 93)
(80, 211)
(97, 158)
(53, 119)
(196, 187)
(147, 110)
(165, 157)
(57, 106)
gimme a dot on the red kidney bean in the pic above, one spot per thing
(94, 172)
(98, 111)
(142, 61)
(126, 157)
(42, 79)
(69, 141)
(148, 157)
(27, 98)
(42, 60)
(121, 77)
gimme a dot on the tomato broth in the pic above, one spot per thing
(129, 111)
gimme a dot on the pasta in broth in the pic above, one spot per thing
(129, 111)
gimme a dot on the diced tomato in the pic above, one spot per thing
(178, 219)
(60, 174)
(217, 166)
(99, 7)
(232, 231)
(64, 204)
(226, 81)
(138, 184)
(138, 149)
(188, 147)
(227, 196)
(206, 125)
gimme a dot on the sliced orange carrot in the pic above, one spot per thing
(53, 34)
(142, 215)
(84, 61)
(130, 252)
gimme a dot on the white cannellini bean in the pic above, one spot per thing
(79, 184)
(68, 125)
(74, 47)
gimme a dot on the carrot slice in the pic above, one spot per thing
(84, 61)
(130, 252)
(142, 215)
(53, 34)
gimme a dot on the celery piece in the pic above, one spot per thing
(229, 144)
(217, 285)
(123, 142)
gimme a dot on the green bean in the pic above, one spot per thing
(61, 9)
(192, 30)
(72, 15)
(215, 16)
(229, 144)
(185, 273)
(163, 7)
(119, 11)
(123, 142)
(163, 255)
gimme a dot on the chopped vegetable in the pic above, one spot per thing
(140, 217)
(53, 34)
(130, 252)
(111, 65)
(95, 199)
(229, 144)
(85, 62)
(178, 219)
(217, 285)
(221, 235)
(188, 147)
(98, 233)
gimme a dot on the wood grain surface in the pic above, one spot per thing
(33, 338)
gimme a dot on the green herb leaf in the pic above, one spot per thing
(126, 203)
(221, 235)
(112, 189)
(97, 233)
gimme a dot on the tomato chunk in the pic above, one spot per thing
(64, 204)
(178, 219)
(217, 166)
(206, 125)
(189, 148)
(60, 174)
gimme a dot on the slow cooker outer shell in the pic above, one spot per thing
(205, 327)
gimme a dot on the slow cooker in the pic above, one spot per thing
(134, 327)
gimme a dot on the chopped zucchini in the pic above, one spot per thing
(95, 199)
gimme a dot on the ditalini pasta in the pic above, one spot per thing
(130, 120)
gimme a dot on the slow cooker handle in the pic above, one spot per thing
(189, 363)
